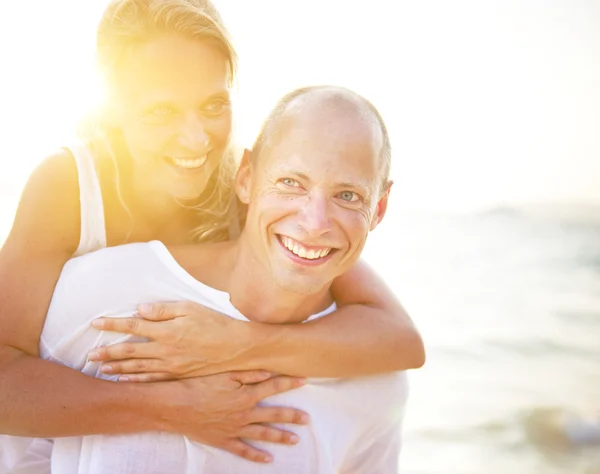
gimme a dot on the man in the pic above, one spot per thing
(316, 183)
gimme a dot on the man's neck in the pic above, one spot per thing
(253, 292)
(263, 302)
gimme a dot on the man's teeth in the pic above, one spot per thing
(190, 164)
(298, 249)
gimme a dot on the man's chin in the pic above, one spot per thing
(303, 285)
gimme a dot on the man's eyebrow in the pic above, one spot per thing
(291, 172)
(359, 185)
(363, 188)
(351, 184)
(301, 175)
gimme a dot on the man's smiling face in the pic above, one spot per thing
(314, 193)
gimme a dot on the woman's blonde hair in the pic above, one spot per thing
(130, 23)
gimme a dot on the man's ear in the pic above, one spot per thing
(381, 206)
(243, 177)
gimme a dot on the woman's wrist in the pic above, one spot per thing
(269, 347)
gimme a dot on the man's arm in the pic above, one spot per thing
(43, 399)
(377, 450)
(370, 333)
(375, 454)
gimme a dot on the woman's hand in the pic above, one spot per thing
(185, 340)
(223, 411)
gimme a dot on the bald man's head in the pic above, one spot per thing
(316, 184)
(326, 106)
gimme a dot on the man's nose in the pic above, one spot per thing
(316, 215)
(193, 134)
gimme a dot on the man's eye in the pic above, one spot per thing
(292, 183)
(349, 196)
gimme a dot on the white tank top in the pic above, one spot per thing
(20, 455)
(93, 229)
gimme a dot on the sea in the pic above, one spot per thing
(508, 303)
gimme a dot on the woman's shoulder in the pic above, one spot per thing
(57, 169)
(53, 188)
(49, 203)
(64, 166)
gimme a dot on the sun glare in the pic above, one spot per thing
(485, 103)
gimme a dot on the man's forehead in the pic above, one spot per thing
(329, 105)
(319, 156)
(329, 126)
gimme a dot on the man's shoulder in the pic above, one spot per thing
(113, 255)
(117, 275)
(118, 260)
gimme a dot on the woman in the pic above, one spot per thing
(162, 170)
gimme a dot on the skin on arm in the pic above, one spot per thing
(370, 333)
(39, 398)
(44, 235)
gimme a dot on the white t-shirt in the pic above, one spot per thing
(355, 423)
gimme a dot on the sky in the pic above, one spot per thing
(487, 102)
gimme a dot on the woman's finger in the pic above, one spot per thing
(268, 433)
(244, 450)
(134, 366)
(165, 311)
(124, 350)
(134, 326)
(247, 377)
(145, 378)
(262, 414)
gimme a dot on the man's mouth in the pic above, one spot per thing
(304, 252)
(187, 163)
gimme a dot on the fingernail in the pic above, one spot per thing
(301, 382)
(145, 308)
(98, 323)
(267, 458)
(106, 369)
(304, 419)
(94, 355)
(294, 439)
(123, 378)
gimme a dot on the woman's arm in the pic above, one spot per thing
(370, 333)
(44, 399)
(34, 398)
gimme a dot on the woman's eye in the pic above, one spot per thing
(162, 111)
(349, 196)
(158, 114)
(216, 107)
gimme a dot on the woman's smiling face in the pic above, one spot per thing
(174, 112)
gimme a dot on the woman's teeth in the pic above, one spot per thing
(190, 164)
(298, 249)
